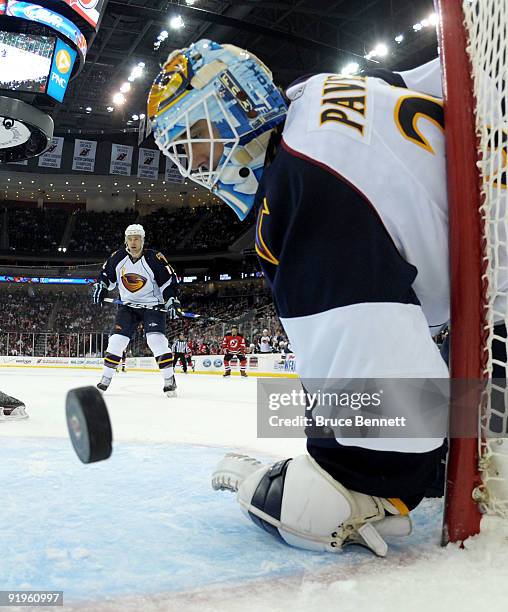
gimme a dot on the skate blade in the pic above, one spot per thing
(12, 417)
(171, 393)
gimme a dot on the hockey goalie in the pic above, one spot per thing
(347, 175)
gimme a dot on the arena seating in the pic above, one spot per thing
(33, 230)
(197, 229)
(66, 323)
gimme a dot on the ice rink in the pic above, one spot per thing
(145, 531)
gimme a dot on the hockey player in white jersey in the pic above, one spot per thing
(144, 279)
(347, 175)
(265, 342)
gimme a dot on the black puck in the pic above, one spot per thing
(88, 424)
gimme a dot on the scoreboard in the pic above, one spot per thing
(88, 9)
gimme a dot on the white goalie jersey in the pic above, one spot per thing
(388, 143)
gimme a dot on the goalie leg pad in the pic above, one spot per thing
(294, 502)
(298, 502)
(267, 496)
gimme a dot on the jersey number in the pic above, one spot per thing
(408, 112)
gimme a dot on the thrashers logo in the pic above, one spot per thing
(133, 282)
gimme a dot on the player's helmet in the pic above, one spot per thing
(232, 93)
(135, 230)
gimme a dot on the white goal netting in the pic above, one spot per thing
(486, 23)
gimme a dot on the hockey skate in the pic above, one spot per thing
(11, 409)
(232, 470)
(170, 388)
(104, 384)
(243, 373)
(226, 373)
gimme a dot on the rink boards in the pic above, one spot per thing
(257, 365)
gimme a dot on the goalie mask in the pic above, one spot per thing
(212, 108)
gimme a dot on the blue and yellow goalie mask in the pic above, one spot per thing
(212, 108)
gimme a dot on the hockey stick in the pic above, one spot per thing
(187, 315)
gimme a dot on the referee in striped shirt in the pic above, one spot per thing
(179, 349)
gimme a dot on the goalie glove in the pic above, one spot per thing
(173, 308)
(99, 292)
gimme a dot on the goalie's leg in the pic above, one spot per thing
(301, 504)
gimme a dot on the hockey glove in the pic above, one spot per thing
(173, 308)
(99, 293)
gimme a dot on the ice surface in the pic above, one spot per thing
(145, 531)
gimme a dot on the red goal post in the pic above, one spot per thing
(474, 47)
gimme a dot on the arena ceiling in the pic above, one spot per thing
(72, 188)
(293, 38)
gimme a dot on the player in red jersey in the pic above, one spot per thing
(234, 346)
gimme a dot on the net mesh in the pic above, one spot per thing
(486, 23)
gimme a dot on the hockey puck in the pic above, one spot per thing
(88, 424)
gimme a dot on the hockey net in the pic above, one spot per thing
(474, 49)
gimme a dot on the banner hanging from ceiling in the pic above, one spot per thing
(52, 157)
(148, 164)
(172, 174)
(121, 159)
(84, 155)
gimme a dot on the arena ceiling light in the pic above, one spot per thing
(119, 98)
(125, 87)
(399, 38)
(137, 72)
(350, 68)
(160, 39)
(190, 2)
(381, 50)
(177, 23)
